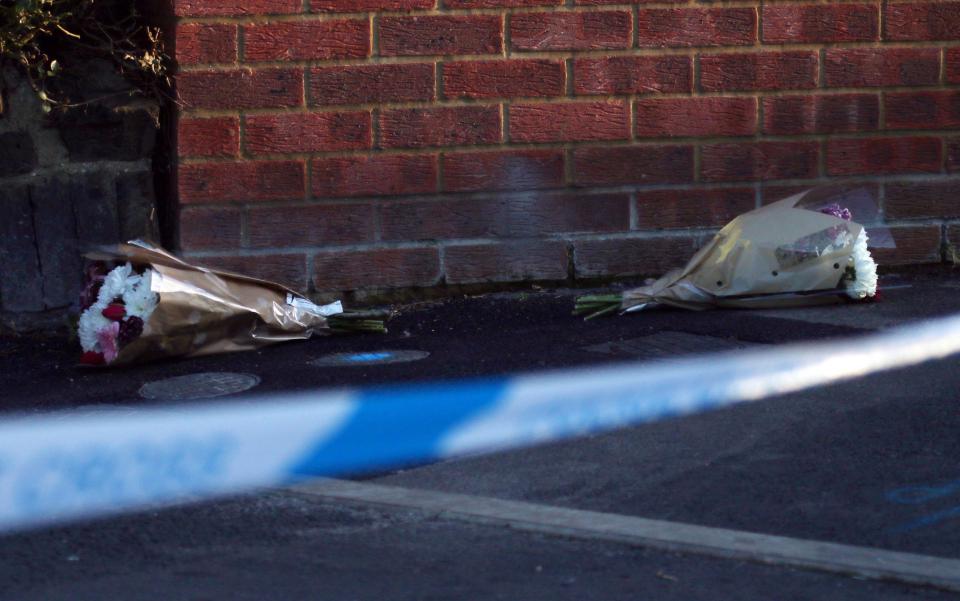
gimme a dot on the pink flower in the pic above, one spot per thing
(107, 337)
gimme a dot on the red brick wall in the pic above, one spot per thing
(356, 144)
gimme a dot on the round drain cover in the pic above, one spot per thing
(369, 358)
(198, 386)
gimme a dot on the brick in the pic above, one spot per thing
(619, 257)
(804, 23)
(684, 27)
(205, 43)
(633, 165)
(752, 161)
(569, 122)
(377, 268)
(306, 40)
(504, 79)
(307, 132)
(609, 2)
(697, 207)
(509, 170)
(374, 175)
(288, 269)
(953, 154)
(953, 238)
(922, 110)
(371, 84)
(499, 3)
(212, 8)
(441, 35)
(506, 262)
(922, 21)
(823, 114)
(507, 216)
(440, 126)
(18, 155)
(240, 182)
(874, 67)
(241, 89)
(760, 71)
(883, 156)
(770, 193)
(923, 200)
(914, 244)
(204, 229)
(315, 225)
(208, 137)
(363, 6)
(952, 67)
(21, 287)
(571, 30)
(712, 116)
(633, 75)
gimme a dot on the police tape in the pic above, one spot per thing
(66, 466)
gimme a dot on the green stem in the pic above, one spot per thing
(351, 322)
(597, 305)
(602, 312)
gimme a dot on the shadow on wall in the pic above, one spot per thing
(69, 179)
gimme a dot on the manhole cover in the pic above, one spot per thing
(198, 386)
(369, 358)
(663, 345)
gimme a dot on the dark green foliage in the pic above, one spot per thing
(50, 39)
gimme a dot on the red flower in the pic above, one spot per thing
(116, 312)
(92, 358)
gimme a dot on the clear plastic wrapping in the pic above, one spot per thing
(796, 251)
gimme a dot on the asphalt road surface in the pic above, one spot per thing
(872, 463)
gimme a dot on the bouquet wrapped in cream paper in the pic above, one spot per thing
(141, 303)
(802, 250)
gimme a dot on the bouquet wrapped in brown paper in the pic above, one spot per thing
(141, 303)
(802, 250)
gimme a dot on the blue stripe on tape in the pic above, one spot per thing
(424, 413)
(262, 443)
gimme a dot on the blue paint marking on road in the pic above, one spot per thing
(366, 357)
(928, 520)
(917, 495)
(367, 441)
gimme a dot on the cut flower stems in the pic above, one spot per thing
(353, 322)
(597, 305)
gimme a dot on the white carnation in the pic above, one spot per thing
(91, 322)
(139, 299)
(115, 284)
(864, 283)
